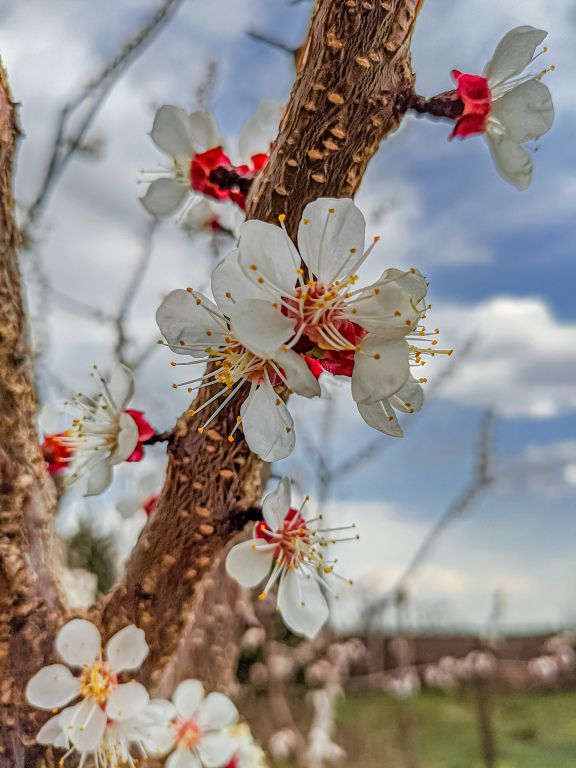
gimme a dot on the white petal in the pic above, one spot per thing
(204, 131)
(376, 312)
(160, 711)
(88, 723)
(51, 687)
(526, 112)
(268, 425)
(412, 282)
(249, 562)
(229, 278)
(187, 697)
(127, 439)
(215, 750)
(260, 327)
(78, 643)
(513, 54)
(172, 133)
(100, 478)
(376, 379)
(181, 318)
(52, 733)
(49, 419)
(342, 242)
(127, 649)
(121, 386)
(216, 712)
(302, 605)
(512, 161)
(253, 140)
(183, 758)
(276, 504)
(269, 249)
(164, 196)
(126, 701)
(298, 376)
(161, 737)
(410, 398)
(381, 416)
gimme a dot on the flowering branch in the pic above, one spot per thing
(341, 108)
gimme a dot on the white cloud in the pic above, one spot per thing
(545, 470)
(524, 362)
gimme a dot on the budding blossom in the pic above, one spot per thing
(112, 715)
(105, 434)
(199, 164)
(508, 107)
(218, 333)
(247, 754)
(372, 333)
(289, 550)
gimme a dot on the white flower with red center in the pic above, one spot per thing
(110, 711)
(198, 732)
(366, 333)
(291, 551)
(216, 333)
(508, 107)
(196, 150)
(105, 434)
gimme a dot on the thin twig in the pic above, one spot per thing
(479, 484)
(274, 42)
(98, 88)
(129, 294)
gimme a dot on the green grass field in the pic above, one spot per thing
(531, 732)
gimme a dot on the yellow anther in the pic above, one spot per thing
(304, 296)
(191, 413)
(300, 271)
(262, 596)
(304, 221)
(352, 250)
(398, 314)
(172, 363)
(376, 356)
(253, 266)
(275, 305)
(260, 279)
(200, 429)
(159, 341)
(282, 217)
(208, 333)
(189, 290)
(330, 210)
(238, 419)
(174, 386)
(288, 429)
(357, 347)
(412, 270)
(376, 291)
(253, 546)
(198, 302)
(434, 342)
(376, 239)
(182, 343)
(424, 381)
(390, 418)
(228, 295)
(407, 322)
(230, 438)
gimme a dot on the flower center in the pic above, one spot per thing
(240, 363)
(294, 542)
(188, 733)
(322, 312)
(98, 681)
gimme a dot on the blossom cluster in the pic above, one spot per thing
(283, 314)
(114, 715)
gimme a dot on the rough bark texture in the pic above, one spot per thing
(30, 604)
(354, 64)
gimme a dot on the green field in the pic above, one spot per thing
(440, 731)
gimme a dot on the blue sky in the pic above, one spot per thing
(500, 263)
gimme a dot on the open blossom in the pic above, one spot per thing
(105, 433)
(508, 107)
(196, 150)
(289, 550)
(199, 731)
(111, 714)
(370, 333)
(217, 333)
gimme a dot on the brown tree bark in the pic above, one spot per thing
(353, 70)
(31, 607)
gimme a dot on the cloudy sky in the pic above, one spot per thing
(500, 263)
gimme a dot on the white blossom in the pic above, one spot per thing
(372, 333)
(291, 551)
(193, 325)
(103, 435)
(111, 715)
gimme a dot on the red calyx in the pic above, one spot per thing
(475, 93)
(55, 454)
(341, 363)
(292, 521)
(247, 174)
(314, 366)
(145, 432)
(201, 167)
(150, 504)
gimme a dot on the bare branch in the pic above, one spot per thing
(64, 144)
(478, 485)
